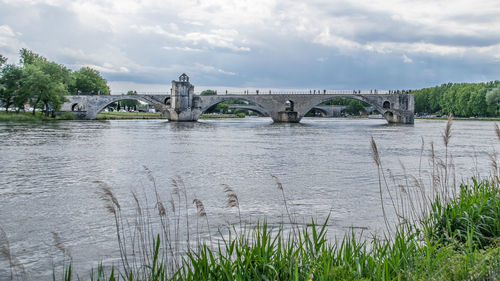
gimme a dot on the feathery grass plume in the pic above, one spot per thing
(375, 154)
(232, 199)
(182, 189)
(108, 197)
(137, 204)
(201, 212)
(447, 130)
(161, 209)
(497, 130)
(381, 175)
(199, 207)
(175, 184)
(494, 164)
(280, 187)
(59, 244)
(113, 206)
(149, 174)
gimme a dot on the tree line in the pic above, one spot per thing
(43, 84)
(460, 99)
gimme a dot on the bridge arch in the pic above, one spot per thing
(220, 99)
(320, 100)
(323, 112)
(100, 105)
(77, 107)
(167, 100)
(386, 105)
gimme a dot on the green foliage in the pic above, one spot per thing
(66, 116)
(462, 99)
(208, 93)
(3, 60)
(240, 115)
(10, 84)
(353, 106)
(493, 101)
(223, 107)
(45, 83)
(88, 80)
(474, 215)
(28, 57)
(130, 103)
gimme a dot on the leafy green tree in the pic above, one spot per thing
(493, 100)
(477, 104)
(10, 80)
(45, 83)
(28, 57)
(131, 103)
(88, 80)
(208, 93)
(3, 60)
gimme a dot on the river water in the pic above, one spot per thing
(48, 175)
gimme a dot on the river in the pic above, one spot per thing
(48, 175)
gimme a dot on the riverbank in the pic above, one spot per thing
(218, 116)
(463, 118)
(128, 115)
(28, 116)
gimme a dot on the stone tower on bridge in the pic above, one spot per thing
(181, 100)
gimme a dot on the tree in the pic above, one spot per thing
(130, 103)
(208, 93)
(45, 83)
(3, 60)
(88, 80)
(11, 84)
(493, 100)
(477, 104)
(29, 57)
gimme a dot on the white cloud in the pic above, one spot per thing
(211, 69)
(406, 59)
(5, 30)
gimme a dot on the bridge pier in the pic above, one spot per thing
(186, 115)
(401, 117)
(286, 117)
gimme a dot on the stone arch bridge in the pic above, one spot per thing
(183, 105)
(396, 108)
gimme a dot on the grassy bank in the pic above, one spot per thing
(463, 118)
(28, 116)
(217, 116)
(128, 115)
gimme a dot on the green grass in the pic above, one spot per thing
(128, 115)
(28, 116)
(217, 116)
(462, 118)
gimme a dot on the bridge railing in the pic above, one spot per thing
(273, 92)
(301, 92)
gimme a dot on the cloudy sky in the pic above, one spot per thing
(383, 44)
